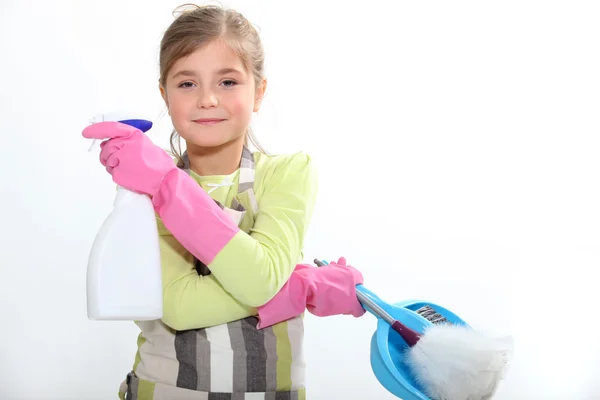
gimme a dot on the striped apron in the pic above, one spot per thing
(233, 361)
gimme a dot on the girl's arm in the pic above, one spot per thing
(192, 301)
(251, 267)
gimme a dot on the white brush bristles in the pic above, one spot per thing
(454, 362)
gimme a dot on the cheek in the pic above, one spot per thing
(241, 105)
(177, 103)
(179, 110)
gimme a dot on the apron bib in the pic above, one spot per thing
(233, 361)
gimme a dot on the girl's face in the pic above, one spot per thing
(211, 97)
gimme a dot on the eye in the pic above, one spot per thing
(229, 83)
(185, 85)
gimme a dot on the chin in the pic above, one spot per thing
(209, 141)
(206, 142)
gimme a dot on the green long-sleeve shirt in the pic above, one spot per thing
(264, 252)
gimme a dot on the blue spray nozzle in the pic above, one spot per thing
(141, 124)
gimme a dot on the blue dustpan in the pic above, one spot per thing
(388, 347)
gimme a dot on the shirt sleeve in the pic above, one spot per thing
(254, 266)
(192, 301)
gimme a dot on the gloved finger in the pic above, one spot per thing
(109, 130)
(357, 276)
(341, 262)
(357, 310)
(112, 161)
(109, 148)
(109, 142)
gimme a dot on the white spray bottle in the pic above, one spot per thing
(124, 276)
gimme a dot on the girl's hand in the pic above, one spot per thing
(134, 162)
(323, 291)
(334, 290)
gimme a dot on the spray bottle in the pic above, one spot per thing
(124, 276)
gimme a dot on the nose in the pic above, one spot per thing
(207, 99)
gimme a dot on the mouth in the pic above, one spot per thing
(208, 121)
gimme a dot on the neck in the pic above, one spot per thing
(219, 160)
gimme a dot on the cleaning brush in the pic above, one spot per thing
(449, 361)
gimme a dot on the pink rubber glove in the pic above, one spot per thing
(323, 291)
(134, 162)
(186, 210)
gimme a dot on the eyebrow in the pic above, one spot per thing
(222, 71)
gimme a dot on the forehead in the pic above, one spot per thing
(210, 59)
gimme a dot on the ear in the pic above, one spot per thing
(259, 94)
(163, 94)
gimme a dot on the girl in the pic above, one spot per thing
(232, 225)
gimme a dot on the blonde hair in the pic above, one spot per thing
(196, 26)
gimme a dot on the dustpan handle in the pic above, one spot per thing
(372, 303)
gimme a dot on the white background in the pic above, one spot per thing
(458, 149)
